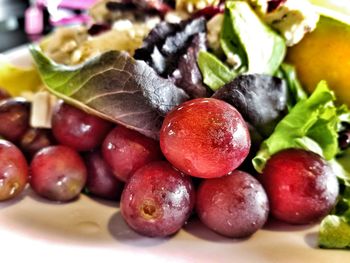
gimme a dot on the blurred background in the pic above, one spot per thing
(23, 21)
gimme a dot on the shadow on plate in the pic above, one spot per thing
(109, 203)
(276, 225)
(124, 234)
(104, 202)
(311, 239)
(81, 221)
(14, 201)
(196, 228)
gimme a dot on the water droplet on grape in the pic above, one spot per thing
(111, 146)
(14, 188)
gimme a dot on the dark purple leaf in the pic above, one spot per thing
(158, 6)
(261, 99)
(124, 5)
(154, 39)
(174, 44)
(187, 75)
(167, 42)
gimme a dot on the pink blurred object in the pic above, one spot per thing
(70, 4)
(34, 20)
(62, 12)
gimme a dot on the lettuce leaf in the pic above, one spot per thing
(215, 73)
(296, 91)
(260, 49)
(243, 34)
(335, 228)
(311, 125)
(115, 87)
(334, 232)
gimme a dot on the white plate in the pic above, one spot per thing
(90, 230)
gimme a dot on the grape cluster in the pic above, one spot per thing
(203, 139)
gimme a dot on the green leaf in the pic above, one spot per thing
(260, 48)
(311, 125)
(334, 232)
(229, 41)
(296, 91)
(215, 73)
(115, 87)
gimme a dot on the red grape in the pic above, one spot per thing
(58, 173)
(301, 186)
(14, 116)
(77, 129)
(235, 205)
(13, 171)
(157, 200)
(127, 150)
(101, 181)
(205, 138)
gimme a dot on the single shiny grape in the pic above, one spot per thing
(58, 173)
(77, 129)
(157, 200)
(205, 138)
(301, 186)
(14, 118)
(34, 140)
(126, 151)
(13, 171)
(101, 181)
(235, 205)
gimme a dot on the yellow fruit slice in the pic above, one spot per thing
(324, 54)
(18, 80)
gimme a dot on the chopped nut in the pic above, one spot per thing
(41, 110)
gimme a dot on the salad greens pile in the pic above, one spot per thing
(241, 30)
(312, 124)
(174, 65)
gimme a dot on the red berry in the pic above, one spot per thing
(127, 150)
(301, 186)
(157, 200)
(235, 205)
(58, 173)
(77, 129)
(205, 138)
(101, 181)
(13, 171)
(14, 116)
